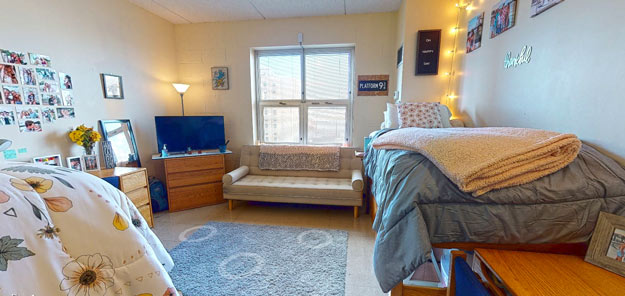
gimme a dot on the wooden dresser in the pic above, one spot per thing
(134, 183)
(194, 181)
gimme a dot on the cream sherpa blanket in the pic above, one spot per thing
(479, 160)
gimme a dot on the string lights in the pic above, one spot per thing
(462, 6)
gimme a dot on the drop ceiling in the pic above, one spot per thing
(199, 11)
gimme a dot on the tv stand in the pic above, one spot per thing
(194, 179)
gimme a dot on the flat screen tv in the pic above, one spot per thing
(197, 132)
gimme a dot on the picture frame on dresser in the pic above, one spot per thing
(607, 245)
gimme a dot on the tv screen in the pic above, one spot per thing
(197, 132)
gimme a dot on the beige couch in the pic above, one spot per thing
(342, 188)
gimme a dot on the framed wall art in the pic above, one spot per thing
(428, 52)
(474, 34)
(112, 86)
(540, 6)
(503, 17)
(220, 78)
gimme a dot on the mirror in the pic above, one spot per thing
(119, 133)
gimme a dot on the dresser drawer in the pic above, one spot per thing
(133, 181)
(146, 212)
(195, 196)
(197, 163)
(139, 197)
(195, 177)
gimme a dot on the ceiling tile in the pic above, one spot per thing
(198, 11)
(370, 6)
(290, 8)
(160, 10)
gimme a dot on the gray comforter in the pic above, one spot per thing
(419, 206)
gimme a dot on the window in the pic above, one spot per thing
(304, 96)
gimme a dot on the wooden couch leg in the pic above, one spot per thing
(355, 212)
(230, 204)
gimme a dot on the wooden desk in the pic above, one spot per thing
(528, 273)
(134, 183)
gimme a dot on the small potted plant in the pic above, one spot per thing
(85, 137)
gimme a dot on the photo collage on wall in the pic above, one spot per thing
(33, 94)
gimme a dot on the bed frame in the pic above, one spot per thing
(577, 249)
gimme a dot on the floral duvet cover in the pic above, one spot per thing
(65, 232)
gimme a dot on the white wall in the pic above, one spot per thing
(426, 15)
(88, 37)
(573, 83)
(202, 46)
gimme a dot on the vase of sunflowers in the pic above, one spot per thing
(85, 137)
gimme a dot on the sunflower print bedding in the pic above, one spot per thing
(65, 232)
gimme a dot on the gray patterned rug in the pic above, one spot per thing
(244, 259)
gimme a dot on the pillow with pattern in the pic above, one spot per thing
(425, 115)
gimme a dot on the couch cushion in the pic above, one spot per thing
(294, 186)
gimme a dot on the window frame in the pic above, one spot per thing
(303, 103)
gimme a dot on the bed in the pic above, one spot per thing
(65, 232)
(418, 207)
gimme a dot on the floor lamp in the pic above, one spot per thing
(181, 88)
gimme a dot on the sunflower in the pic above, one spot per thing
(49, 232)
(40, 185)
(88, 275)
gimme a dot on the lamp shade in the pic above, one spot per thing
(181, 88)
(5, 144)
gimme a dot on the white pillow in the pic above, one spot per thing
(393, 116)
(445, 115)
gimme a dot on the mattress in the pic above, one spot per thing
(419, 206)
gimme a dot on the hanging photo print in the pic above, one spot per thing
(502, 18)
(474, 36)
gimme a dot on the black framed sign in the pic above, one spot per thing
(428, 52)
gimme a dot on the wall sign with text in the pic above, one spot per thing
(524, 57)
(373, 85)
(428, 52)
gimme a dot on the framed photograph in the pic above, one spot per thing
(65, 113)
(66, 81)
(31, 96)
(68, 97)
(48, 115)
(540, 6)
(54, 160)
(8, 74)
(39, 60)
(13, 57)
(28, 76)
(502, 18)
(75, 162)
(112, 86)
(607, 246)
(48, 87)
(91, 162)
(7, 116)
(474, 34)
(12, 94)
(220, 78)
(51, 100)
